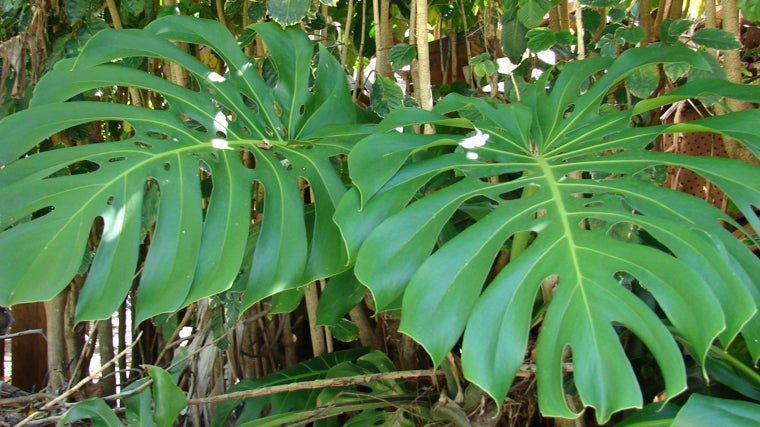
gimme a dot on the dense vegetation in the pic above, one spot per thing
(255, 229)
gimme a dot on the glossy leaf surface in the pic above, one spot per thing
(570, 174)
(704, 411)
(191, 134)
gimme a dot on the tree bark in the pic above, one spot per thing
(423, 90)
(56, 341)
(29, 352)
(733, 66)
(383, 37)
(107, 382)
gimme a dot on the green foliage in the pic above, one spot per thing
(561, 169)
(199, 134)
(652, 415)
(541, 39)
(158, 405)
(750, 9)
(77, 10)
(531, 12)
(716, 39)
(288, 12)
(705, 411)
(483, 65)
(670, 30)
(385, 96)
(317, 404)
(513, 39)
(561, 185)
(402, 55)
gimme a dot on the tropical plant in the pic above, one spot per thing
(561, 184)
(151, 182)
(537, 220)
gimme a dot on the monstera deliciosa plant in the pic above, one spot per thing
(202, 132)
(562, 182)
(541, 212)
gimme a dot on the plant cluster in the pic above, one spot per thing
(506, 237)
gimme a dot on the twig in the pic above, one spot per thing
(90, 344)
(9, 401)
(315, 384)
(26, 332)
(526, 370)
(185, 320)
(79, 385)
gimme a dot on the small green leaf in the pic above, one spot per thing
(540, 39)
(617, 15)
(715, 38)
(386, 95)
(77, 10)
(565, 37)
(608, 45)
(341, 294)
(95, 410)
(532, 12)
(675, 70)
(513, 41)
(288, 12)
(345, 331)
(670, 31)
(169, 400)
(232, 7)
(402, 55)
(643, 81)
(139, 405)
(257, 10)
(632, 35)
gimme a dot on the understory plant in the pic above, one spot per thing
(541, 220)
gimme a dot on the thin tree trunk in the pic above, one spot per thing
(424, 92)
(383, 37)
(347, 33)
(56, 343)
(318, 344)
(107, 382)
(676, 9)
(645, 20)
(733, 66)
(564, 15)
(359, 82)
(134, 93)
(580, 32)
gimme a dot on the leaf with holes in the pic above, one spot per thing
(563, 175)
(187, 143)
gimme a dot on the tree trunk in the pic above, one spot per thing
(29, 352)
(107, 382)
(56, 341)
(733, 66)
(424, 92)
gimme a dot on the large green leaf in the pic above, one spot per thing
(704, 411)
(201, 132)
(583, 173)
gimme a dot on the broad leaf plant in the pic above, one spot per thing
(202, 132)
(541, 216)
(562, 183)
